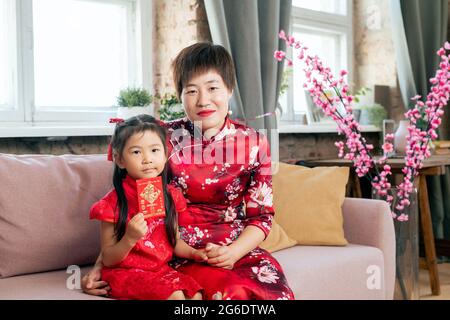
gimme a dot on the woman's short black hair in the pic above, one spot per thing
(199, 58)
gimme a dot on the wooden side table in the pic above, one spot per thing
(434, 165)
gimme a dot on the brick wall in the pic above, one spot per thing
(374, 51)
(73, 145)
(315, 145)
(178, 23)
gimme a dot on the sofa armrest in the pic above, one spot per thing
(369, 222)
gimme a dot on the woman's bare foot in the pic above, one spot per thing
(197, 296)
(177, 295)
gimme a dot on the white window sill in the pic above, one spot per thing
(319, 128)
(10, 130)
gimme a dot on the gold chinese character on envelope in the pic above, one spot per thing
(150, 197)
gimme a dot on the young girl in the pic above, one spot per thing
(136, 251)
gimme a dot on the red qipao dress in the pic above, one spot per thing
(144, 274)
(227, 182)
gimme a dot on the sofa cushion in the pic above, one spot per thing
(308, 203)
(44, 211)
(334, 273)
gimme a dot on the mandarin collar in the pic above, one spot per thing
(129, 182)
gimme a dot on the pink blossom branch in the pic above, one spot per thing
(319, 79)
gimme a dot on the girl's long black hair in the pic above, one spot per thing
(122, 133)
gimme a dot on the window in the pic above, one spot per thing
(325, 27)
(8, 63)
(330, 6)
(64, 62)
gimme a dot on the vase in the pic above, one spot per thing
(407, 249)
(400, 138)
(128, 112)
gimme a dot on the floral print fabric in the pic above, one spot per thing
(228, 186)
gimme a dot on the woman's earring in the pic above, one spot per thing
(230, 112)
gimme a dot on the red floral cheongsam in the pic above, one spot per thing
(227, 182)
(144, 274)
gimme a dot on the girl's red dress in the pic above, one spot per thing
(144, 274)
(227, 182)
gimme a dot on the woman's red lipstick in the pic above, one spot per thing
(205, 113)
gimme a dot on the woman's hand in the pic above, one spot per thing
(199, 255)
(91, 283)
(220, 256)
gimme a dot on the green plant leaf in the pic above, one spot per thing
(134, 97)
(170, 107)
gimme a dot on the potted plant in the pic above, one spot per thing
(170, 107)
(366, 111)
(373, 115)
(362, 97)
(134, 101)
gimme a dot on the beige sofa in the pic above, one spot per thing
(45, 228)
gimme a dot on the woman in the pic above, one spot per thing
(223, 168)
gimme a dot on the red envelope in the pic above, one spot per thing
(151, 197)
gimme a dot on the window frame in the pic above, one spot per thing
(15, 112)
(333, 23)
(26, 114)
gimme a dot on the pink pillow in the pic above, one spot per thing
(44, 211)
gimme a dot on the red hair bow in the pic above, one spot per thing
(116, 120)
(110, 153)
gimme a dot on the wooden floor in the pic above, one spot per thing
(444, 277)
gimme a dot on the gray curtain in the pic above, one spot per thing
(249, 30)
(420, 29)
